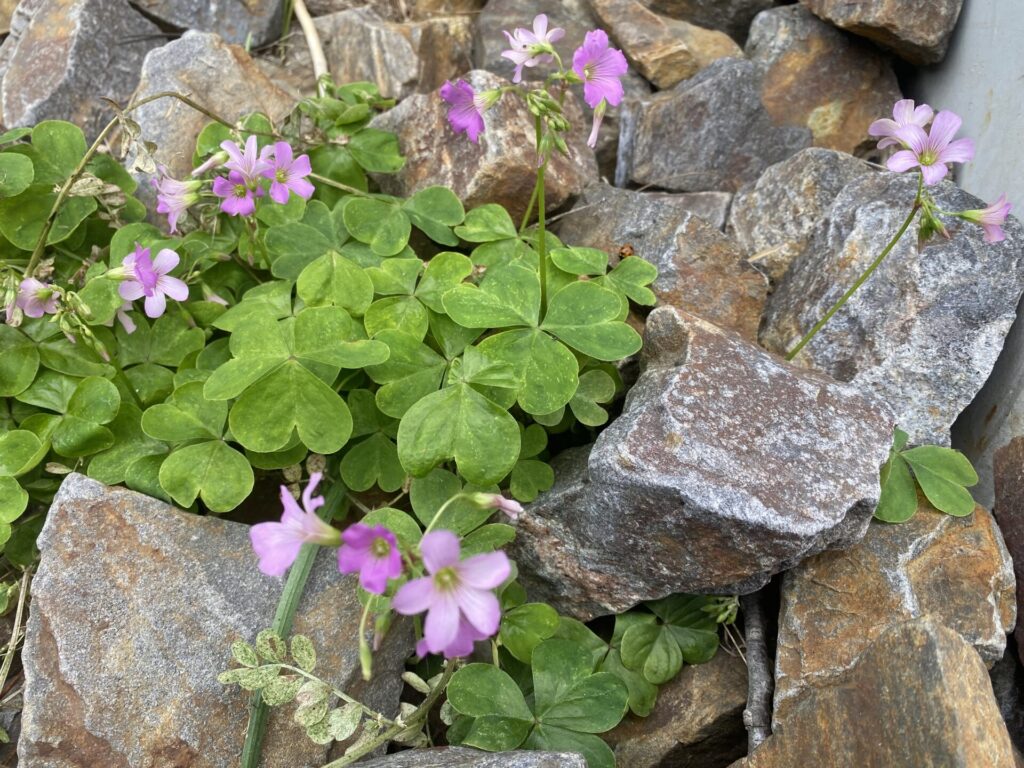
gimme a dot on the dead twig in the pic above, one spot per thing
(757, 717)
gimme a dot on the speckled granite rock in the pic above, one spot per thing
(954, 570)
(821, 78)
(700, 270)
(237, 21)
(406, 10)
(460, 757)
(774, 218)
(919, 696)
(500, 169)
(7, 8)
(134, 609)
(63, 55)
(711, 132)
(725, 467)
(924, 332)
(697, 722)
(732, 16)
(662, 49)
(918, 32)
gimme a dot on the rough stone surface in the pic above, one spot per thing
(399, 10)
(918, 32)
(821, 78)
(134, 608)
(500, 169)
(63, 56)
(1007, 677)
(732, 16)
(662, 49)
(1009, 512)
(237, 21)
(920, 696)
(954, 570)
(711, 132)
(726, 466)
(7, 8)
(460, 757)
(774, 218)
(700, 270)
(697, 722)
(219, 76)
(924, 332)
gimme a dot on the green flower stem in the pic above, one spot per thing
(365, 654)
(529, 210)
(441, 509)
(286, 607)
(338, 185)
(860, 280)
(541, 249)
(416, 718)
(372, 713)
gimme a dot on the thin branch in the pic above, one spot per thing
(757, 717)
(12, 647)
(316, 47)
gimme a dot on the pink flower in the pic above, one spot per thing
(932, 151)
(373, 552)
(904, 113)
(466, 114)
(278, 544)
(239, 196)
(215, 160)
(174, 197)
(991, 219)
(249, 163)
(149, 277)
(599, 66)
(510, 507)
(528, 49)
(36, 298)
(457, 595)
(286, 175)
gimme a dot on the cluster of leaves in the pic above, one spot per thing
(943, 475)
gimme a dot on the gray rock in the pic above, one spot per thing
(62, 56)
(224, 79)
(774, 218)
(918, 32)
(500, 169)
(955, 570)
(237, 21)
(134, 608)
(711, 132)
(1007, 677)
(1009, 512)
(725, 467)
(731, 16)
(924, 332)
(460, 757)
(700, 270)
(821, 78)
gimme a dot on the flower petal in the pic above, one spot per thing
(155, 305)
(486, 571)
(373, 576)
(173, 287)
(130, 290)
(943, 129)
(960, 151)
(439, 549)
(933, 174)
(902, 161)
(480, 607)
(442, 622)
(275, 545)
(165, 261)
(414, 596)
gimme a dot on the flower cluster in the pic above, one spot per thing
(457, 595)
(595, 64)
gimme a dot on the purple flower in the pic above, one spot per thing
(373, 552)
(510, 507)
(278, 544)
(249, 162)
(991, 219)
(528, 49)
(239, 196)
(174, 197)
(904, 113)
(599, 67)
(933, 150)
(36, 298)
(215, 160)
(457, 595)
(466, 114)
(286, 174)
(149, 277)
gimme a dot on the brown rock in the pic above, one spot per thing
(919, 696)
(500, 169)
(7, 8)
(700, 270)
(731, 16)
(399, 10)
(821, 78)
(955, 571)
(460, 757)
(134, 608)
(663, 50)
(918, 32)
(697, 722)
(1008, 473)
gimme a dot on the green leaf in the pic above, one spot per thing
(281, 690)
(59, 354)
(642, 694)
(428, 494)
(16, 174)
(523, 629)
(580, 261)
(486, 224)
(213, 471)
(509, 296)
(585, 316)
(630, 278)
(399, 523)
(343, 721)
(334, 280)
(13, 501)
(435, 210)
(101, 297)
(945, 495)
(558, 665)
(50, 390)
(898, 501)
(19, 361)
(376, 151)
(303, 652)
(530, 478)
(19, 449)
(944, 462)
(187, 415)
(650, 648)
(481, 690)
(546, 369)
(488, 538)
(130, 443)
(444, 272)
(412, 372)
(496, 734)
(382, 225)
(461, 424)
(271, 646)
(373, 461)
(899, 439)
(593, 705)
(694, 628)
(596, 386)
(293, 247)
(397, 313)
(95, 399)
(549, 738)
(244, 654)
(60, 144)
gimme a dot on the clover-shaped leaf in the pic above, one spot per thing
(630, 278)
(19, 361)
(168, 342)
(130, 444)
(412, 371)
(585, 316)
(80, 432)
(580, 261)
(596, 386)
(531, 476)
(547, 370)
(334, 280)
(373, 461)
(508, 297)
(434, 211)
(525, 627)
(501, 717)
(642, 693)
(487, 223)
(678, 630)
(432, 491)
(380, 223)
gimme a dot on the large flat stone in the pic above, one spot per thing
(924, 332)
(134, 608)
(63, 56)
(237, 21)
(1009, 512)
(726, 466)
(732, 16)
(956, 571)
(919, 696)
(460, 757)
